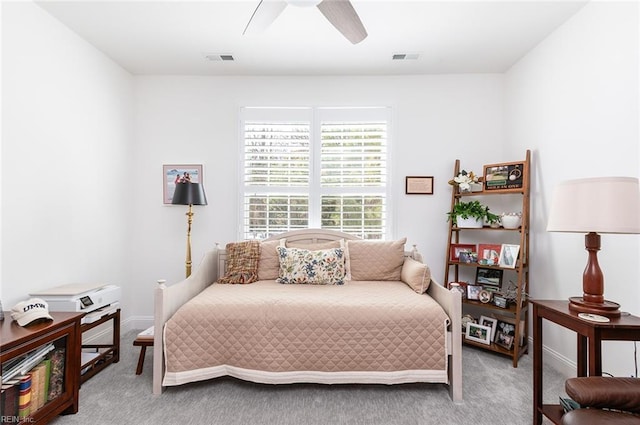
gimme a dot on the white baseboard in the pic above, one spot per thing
(561, 364)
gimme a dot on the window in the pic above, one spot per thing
(315, 167)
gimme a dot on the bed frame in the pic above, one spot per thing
(168, 299)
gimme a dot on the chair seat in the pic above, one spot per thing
(599, 417)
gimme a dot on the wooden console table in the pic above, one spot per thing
(589, 356)
(63, 332)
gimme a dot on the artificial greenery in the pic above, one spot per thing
(473, 209)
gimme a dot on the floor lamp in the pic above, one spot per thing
(593, 206)
(189, 194)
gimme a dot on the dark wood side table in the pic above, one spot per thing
(589, 356)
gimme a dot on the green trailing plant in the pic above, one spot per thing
(472, 209)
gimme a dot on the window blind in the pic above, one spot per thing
(314, 167)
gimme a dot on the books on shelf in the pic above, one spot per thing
(25, 393)
(24, 398)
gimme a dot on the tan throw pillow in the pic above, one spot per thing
(242, 262)
(269, 265)
(315, 246)
(416, 275)
(375, 260)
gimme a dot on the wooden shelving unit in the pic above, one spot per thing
(454, 269)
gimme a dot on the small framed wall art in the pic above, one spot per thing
(419, 185)
(178, 173)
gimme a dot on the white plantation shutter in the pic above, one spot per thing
(315, 167)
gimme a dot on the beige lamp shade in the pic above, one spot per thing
(599, 204)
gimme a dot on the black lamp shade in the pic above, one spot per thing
(189, 194)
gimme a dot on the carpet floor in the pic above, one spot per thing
(494, 393)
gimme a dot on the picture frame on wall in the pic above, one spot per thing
(509, 256)
(419, 185)
(178, 173)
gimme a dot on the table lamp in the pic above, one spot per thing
(594, 206)
(189, 194)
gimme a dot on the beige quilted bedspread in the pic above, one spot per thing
(266, 326)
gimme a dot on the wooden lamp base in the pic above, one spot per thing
(605, 308)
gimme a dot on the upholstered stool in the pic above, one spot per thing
(143, 340)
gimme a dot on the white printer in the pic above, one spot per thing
(80, 297)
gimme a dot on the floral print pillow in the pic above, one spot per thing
(322, 267)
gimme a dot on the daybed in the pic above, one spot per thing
(374, 328)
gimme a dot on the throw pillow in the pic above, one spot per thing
(242, 262)
(322, 267)
(416, 275)
(315, 246)
(268, 265)
(375, 260)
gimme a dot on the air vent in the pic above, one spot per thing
(404, 56)
(216, 57)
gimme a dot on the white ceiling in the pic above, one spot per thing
(172, 37)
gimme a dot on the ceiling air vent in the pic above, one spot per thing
(404, 56)
(216, 57)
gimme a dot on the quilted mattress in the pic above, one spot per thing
(273, 333)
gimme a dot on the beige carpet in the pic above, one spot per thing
(494, 393)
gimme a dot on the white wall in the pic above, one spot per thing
(195, 120)
(66, 158)
(574, 99)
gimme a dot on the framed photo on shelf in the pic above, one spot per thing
(479, 333)
(419, 185)
(468, 257)
(491, 322)
(489, 277)
(457, 248)
(505, 333)
(174, 173)
(473, 292)
(505, 177)
(509, 256)
(489, 254)
(504, 340)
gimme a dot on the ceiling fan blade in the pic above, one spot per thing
(343, 16)
(266, 12)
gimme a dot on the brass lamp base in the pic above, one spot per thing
(605, 308)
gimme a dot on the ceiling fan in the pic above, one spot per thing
(340, 13)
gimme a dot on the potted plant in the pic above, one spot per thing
(471, 214)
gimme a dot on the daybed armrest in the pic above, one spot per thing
(168, 299)
(605, 392)
(451, 302)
